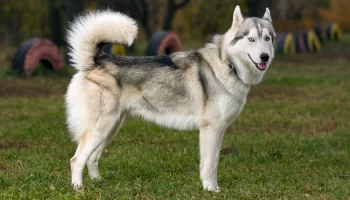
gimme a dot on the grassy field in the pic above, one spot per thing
(292, 141)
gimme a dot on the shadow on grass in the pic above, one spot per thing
(40, 71)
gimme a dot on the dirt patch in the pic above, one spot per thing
(316, 126)
(274, 91)
(328, 54)
(25, 87)
(6, 55)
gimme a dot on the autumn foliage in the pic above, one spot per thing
(21, 20)
(339, 12)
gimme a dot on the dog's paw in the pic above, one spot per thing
(97, 182)
(212, 187)
(78, 187)
(96, 179)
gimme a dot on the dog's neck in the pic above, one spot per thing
(220, 40)
(234, 70)
(215, 45)
(233, 67)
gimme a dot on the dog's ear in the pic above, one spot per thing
(267, 15)
(237, 17)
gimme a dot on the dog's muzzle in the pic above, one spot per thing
(260, 66)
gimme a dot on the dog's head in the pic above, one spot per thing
(248, 46)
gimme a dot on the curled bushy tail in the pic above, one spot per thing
(96, 27)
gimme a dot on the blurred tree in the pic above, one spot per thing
(191, 19)
(171, 11)
(204, 17)
(257, 7)
(55, 11)
(137, 9)
(337, 11)
(73, 7)
(298, 9)
(283, 6)
(147, 11)
(21, 20)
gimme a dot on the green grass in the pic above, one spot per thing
(292, 141)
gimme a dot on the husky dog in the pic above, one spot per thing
(203, 89)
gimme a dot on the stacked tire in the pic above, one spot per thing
(163, 43)
(311, 41)
(328, 32)
(34, 51)
(285, 44)
(308, 40)
(117, 49)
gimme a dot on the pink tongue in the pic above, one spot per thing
(262, 65)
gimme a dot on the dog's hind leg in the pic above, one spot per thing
(92, 162)
(210, 144)
(102, 116)
(89, 143)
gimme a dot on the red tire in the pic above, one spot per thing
(163, 42)
(36, 50)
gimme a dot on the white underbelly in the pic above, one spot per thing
(170, 120)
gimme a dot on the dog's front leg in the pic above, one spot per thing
(210, 143)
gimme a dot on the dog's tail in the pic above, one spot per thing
(88, 32)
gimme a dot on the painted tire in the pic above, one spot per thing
(285, 44)
(36, 50)
(114, 49)
(312, 44)
(299, 42)
(20, 55)
(333, 32)
(163, 42)
(321, 32)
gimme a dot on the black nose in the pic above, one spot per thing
(264, 57)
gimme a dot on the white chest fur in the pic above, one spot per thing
(229, 105)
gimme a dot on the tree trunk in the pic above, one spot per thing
(144, 17)
(56, 23)
(73, 8)
(257, 7)
(283, 7)
(171, 11)
(167, 23)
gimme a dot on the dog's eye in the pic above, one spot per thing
(267, 38)
(251, 39)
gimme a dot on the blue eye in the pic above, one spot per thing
(251, 39)
(267, 38)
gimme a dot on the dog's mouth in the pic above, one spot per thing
(260, 66)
